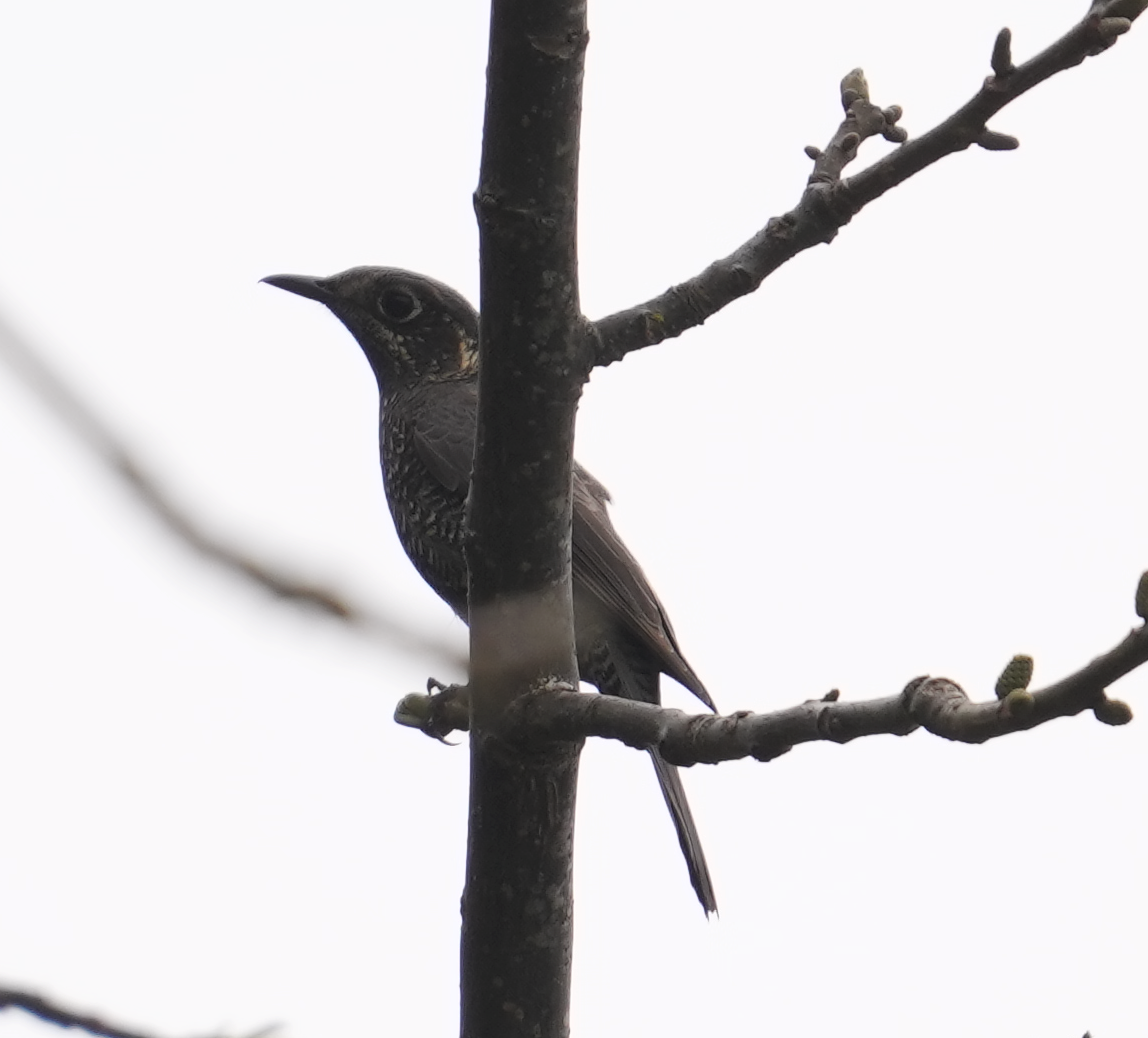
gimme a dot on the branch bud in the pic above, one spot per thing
(1112, 711)
(1110, 28)
(854, 88)
(1016, 675)
(1142, 597)
(1018, 703)
(1001, 60)
(990, 140)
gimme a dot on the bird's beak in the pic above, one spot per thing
(301, 285)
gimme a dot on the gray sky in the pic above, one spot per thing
(917, 451)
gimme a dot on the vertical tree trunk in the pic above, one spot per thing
(517, 941)
(517, 928)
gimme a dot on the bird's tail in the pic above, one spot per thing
(675, 794)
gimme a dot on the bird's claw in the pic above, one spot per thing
(445, 709)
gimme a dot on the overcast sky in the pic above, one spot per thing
(920, 450)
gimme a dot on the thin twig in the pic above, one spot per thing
(52, 1013)
(830, 202)
(79, 416)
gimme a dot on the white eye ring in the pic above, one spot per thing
(399, 305)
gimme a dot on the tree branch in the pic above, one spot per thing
(829, 202)
(52, 1013)
(79, 416)
(558, 711)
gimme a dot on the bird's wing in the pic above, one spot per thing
(443, 431)
(611, 575)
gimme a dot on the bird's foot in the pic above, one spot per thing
(444, 709)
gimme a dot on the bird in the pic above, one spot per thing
(421, 339)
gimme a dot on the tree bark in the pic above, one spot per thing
(517, 940)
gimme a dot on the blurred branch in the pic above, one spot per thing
(830, 202)
(940, 706)
(49, 1012)
(83, 420)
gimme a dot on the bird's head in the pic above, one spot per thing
(412, 328)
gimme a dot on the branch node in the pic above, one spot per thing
(1001, 60)
(813, 152)
(769, 750)
(850, 143)
(990, 140)
(910, 689)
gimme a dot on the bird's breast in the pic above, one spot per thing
(429, 518)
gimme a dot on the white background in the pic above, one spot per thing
(920, 450)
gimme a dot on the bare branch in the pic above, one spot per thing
(50, 1012)
(829, 202)
(83, 420)
(940, 706)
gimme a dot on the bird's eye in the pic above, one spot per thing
(398, 305)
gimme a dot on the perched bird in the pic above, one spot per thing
(421, 338)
